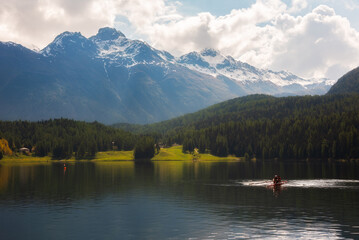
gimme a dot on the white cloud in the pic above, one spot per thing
(351, 5)
(142, 14)
(224, 32)
(39, 21)
(319, 44)
(267, 34)
(298, 5)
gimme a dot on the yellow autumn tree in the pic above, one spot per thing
(4, 147)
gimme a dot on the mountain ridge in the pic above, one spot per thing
(348, 83)
(68, 78)
(212, 62)
(110, 78)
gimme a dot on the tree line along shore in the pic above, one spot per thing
(253, 127)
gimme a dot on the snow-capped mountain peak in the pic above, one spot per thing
(113, 48)
(10, 44)
(107, 33)
(66, 37)
(193, 59)
(210, 52)
(68, 42)
(212, 62)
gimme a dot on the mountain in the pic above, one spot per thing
(107, 78)
(251, 79)
(110, 78)
(349, 83)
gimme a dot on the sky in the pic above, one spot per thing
(310, 38)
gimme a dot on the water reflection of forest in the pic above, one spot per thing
(81, 178)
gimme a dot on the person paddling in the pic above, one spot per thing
(277, 179)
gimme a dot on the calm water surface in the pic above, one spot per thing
(179, 200)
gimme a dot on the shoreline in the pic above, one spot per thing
(166, 154)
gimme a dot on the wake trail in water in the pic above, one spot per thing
(324, 183)
(256, 183)
(306, 183)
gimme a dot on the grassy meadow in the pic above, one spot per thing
(166, 154)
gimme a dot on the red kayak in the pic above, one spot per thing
(277, 184)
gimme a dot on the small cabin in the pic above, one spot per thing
(24, 150)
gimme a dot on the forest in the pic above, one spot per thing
(267, 127)
(64, 138)
(257, 126)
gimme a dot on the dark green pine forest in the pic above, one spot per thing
(61, 138)
(267, 127)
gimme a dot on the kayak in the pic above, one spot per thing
(277, 184)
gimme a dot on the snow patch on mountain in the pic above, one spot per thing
(114, 47)
(10, 44)
(68, 41)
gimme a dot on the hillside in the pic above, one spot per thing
(248, 108)
(349, 83)
(269, 127)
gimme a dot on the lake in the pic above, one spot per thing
(179, 200)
